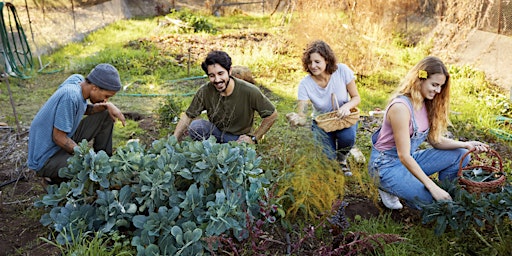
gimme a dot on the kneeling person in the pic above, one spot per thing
(59, 125)
(230, 104)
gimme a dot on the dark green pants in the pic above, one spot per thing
(98, 128)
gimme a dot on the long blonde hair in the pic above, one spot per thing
(438, 107)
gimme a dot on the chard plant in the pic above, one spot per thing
(167, 198)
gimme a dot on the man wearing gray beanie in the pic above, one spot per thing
(59, 125)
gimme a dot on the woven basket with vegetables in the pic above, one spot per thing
(483, 174)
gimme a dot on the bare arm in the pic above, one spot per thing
(265, 125)
(298, 119)
(399, 117)
(113, 111)
(182, 126)
(354, 101)
(62, 140)
(446, 143)
(302, 108)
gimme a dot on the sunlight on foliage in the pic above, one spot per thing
(309, 181)
(151, 55)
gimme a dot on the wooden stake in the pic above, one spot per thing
(5, 77)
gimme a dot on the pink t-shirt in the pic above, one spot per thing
(386, 140)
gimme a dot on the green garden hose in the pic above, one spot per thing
(500, 133)
(15, 49)
(154, 95)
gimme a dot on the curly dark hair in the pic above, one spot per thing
(322, 48)
(216, 57)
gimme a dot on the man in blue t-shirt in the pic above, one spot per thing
(59, 124)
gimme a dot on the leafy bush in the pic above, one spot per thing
(167, 198)
(197, 22)
(469, 211)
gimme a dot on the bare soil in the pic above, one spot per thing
(20, 229)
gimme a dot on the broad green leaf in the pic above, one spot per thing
(139, 221)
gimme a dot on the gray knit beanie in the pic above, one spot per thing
(106, 77)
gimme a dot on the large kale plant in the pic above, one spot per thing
(167, 198)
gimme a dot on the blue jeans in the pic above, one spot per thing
(393, 177)
(201, 129)
(340, 141)
(396, 179)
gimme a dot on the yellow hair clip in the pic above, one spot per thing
(422, 74)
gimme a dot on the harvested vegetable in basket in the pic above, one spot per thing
(480, 175)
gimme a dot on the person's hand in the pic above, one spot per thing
(115, 113)
(295, 119)
(440, 194)
(343, 111)
(477, 146)
(245, 138)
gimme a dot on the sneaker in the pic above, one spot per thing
(390, 201)
(344, 167)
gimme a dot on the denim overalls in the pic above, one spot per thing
(393, 177)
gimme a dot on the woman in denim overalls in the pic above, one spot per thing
(417, 113)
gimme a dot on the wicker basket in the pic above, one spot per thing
(330, 121)
(488, 161)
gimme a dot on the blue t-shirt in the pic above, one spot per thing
(321, 97)
(63, 110)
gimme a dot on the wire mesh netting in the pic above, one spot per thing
(488, 15)
(45, 25)
(51, 24)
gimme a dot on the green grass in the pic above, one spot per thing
(96, 244)
(380, 63)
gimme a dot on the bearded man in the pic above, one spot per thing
(230, 104)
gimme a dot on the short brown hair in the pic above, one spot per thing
(322, 48)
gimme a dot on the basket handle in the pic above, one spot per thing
(493, 152)
(334, 101)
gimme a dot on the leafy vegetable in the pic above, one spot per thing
(170, 195)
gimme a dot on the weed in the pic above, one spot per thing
(123, 134)
(95, 244)
(169, 114)
(196, 22)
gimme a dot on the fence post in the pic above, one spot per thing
(499, 17)
(188, 61)
(73, 12)
(5, 77)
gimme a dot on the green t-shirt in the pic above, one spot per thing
(234, 113)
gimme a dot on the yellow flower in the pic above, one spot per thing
(422, 74)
